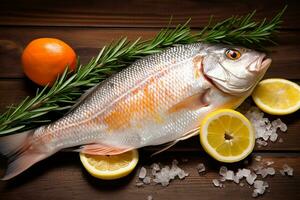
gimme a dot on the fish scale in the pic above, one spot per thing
(113, 88)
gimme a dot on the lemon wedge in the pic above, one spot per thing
(227, 135)
(277, 96)
(110, 167)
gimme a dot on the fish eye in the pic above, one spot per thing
(232, 54)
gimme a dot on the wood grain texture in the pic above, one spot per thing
(136, 13)
(62, 177)
(87, 43)
(87, 26)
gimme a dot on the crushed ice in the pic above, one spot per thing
(265, 129)
(287, 170)
(201, 168)
(160, 174)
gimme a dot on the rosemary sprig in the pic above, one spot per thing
(243, 31)
(33, 112)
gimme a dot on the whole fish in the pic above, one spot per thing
(158, 99)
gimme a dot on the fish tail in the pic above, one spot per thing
(18, 149)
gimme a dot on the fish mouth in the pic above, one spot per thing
(262, 63)
(265, 62)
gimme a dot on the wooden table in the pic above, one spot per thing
(87, 26)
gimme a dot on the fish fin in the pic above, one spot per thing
(82, 98)
(100, 149)
(185, 136)
(20, 156)
(189, 134)
(192, 102)
(167, 146)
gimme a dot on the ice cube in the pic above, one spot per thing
(261, 142)
(201, 167)
(287, 169)
(165, 170)
(155, 167)
(279, 124)
(147, 180)
(263, 172)
(260, 190)
(229, 175)
(164, 183)
(239, 174)
(216, 183)
(265, 137)
(236, 179)
(149, 197)
(258, 184)
(242, 184)
(260, 187)
(270, 170)
(182, 174)
(274, 137)
(283, 127)
(223, 171)
(251, 178)
(258, 158)
(143, 173)
(245, 172)
(276, 123)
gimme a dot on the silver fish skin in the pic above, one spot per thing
(158, 99)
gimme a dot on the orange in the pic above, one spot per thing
(44, 59)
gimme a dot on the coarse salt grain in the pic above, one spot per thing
(265, 129)
(216, 182)
(223, 171)
(251, 178)
(287, 169)
(229, 175)
(147, 180)
(258, 158)
(201, 167)
(245, 172)
(143, 173)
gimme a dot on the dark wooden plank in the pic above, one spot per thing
(14, 91)
(62, 177)
(135, 13)
(87, 42)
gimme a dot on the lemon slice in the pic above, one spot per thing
(227, 135)
(277, 96)
(110, 167)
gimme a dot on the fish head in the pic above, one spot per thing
(234, 70)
